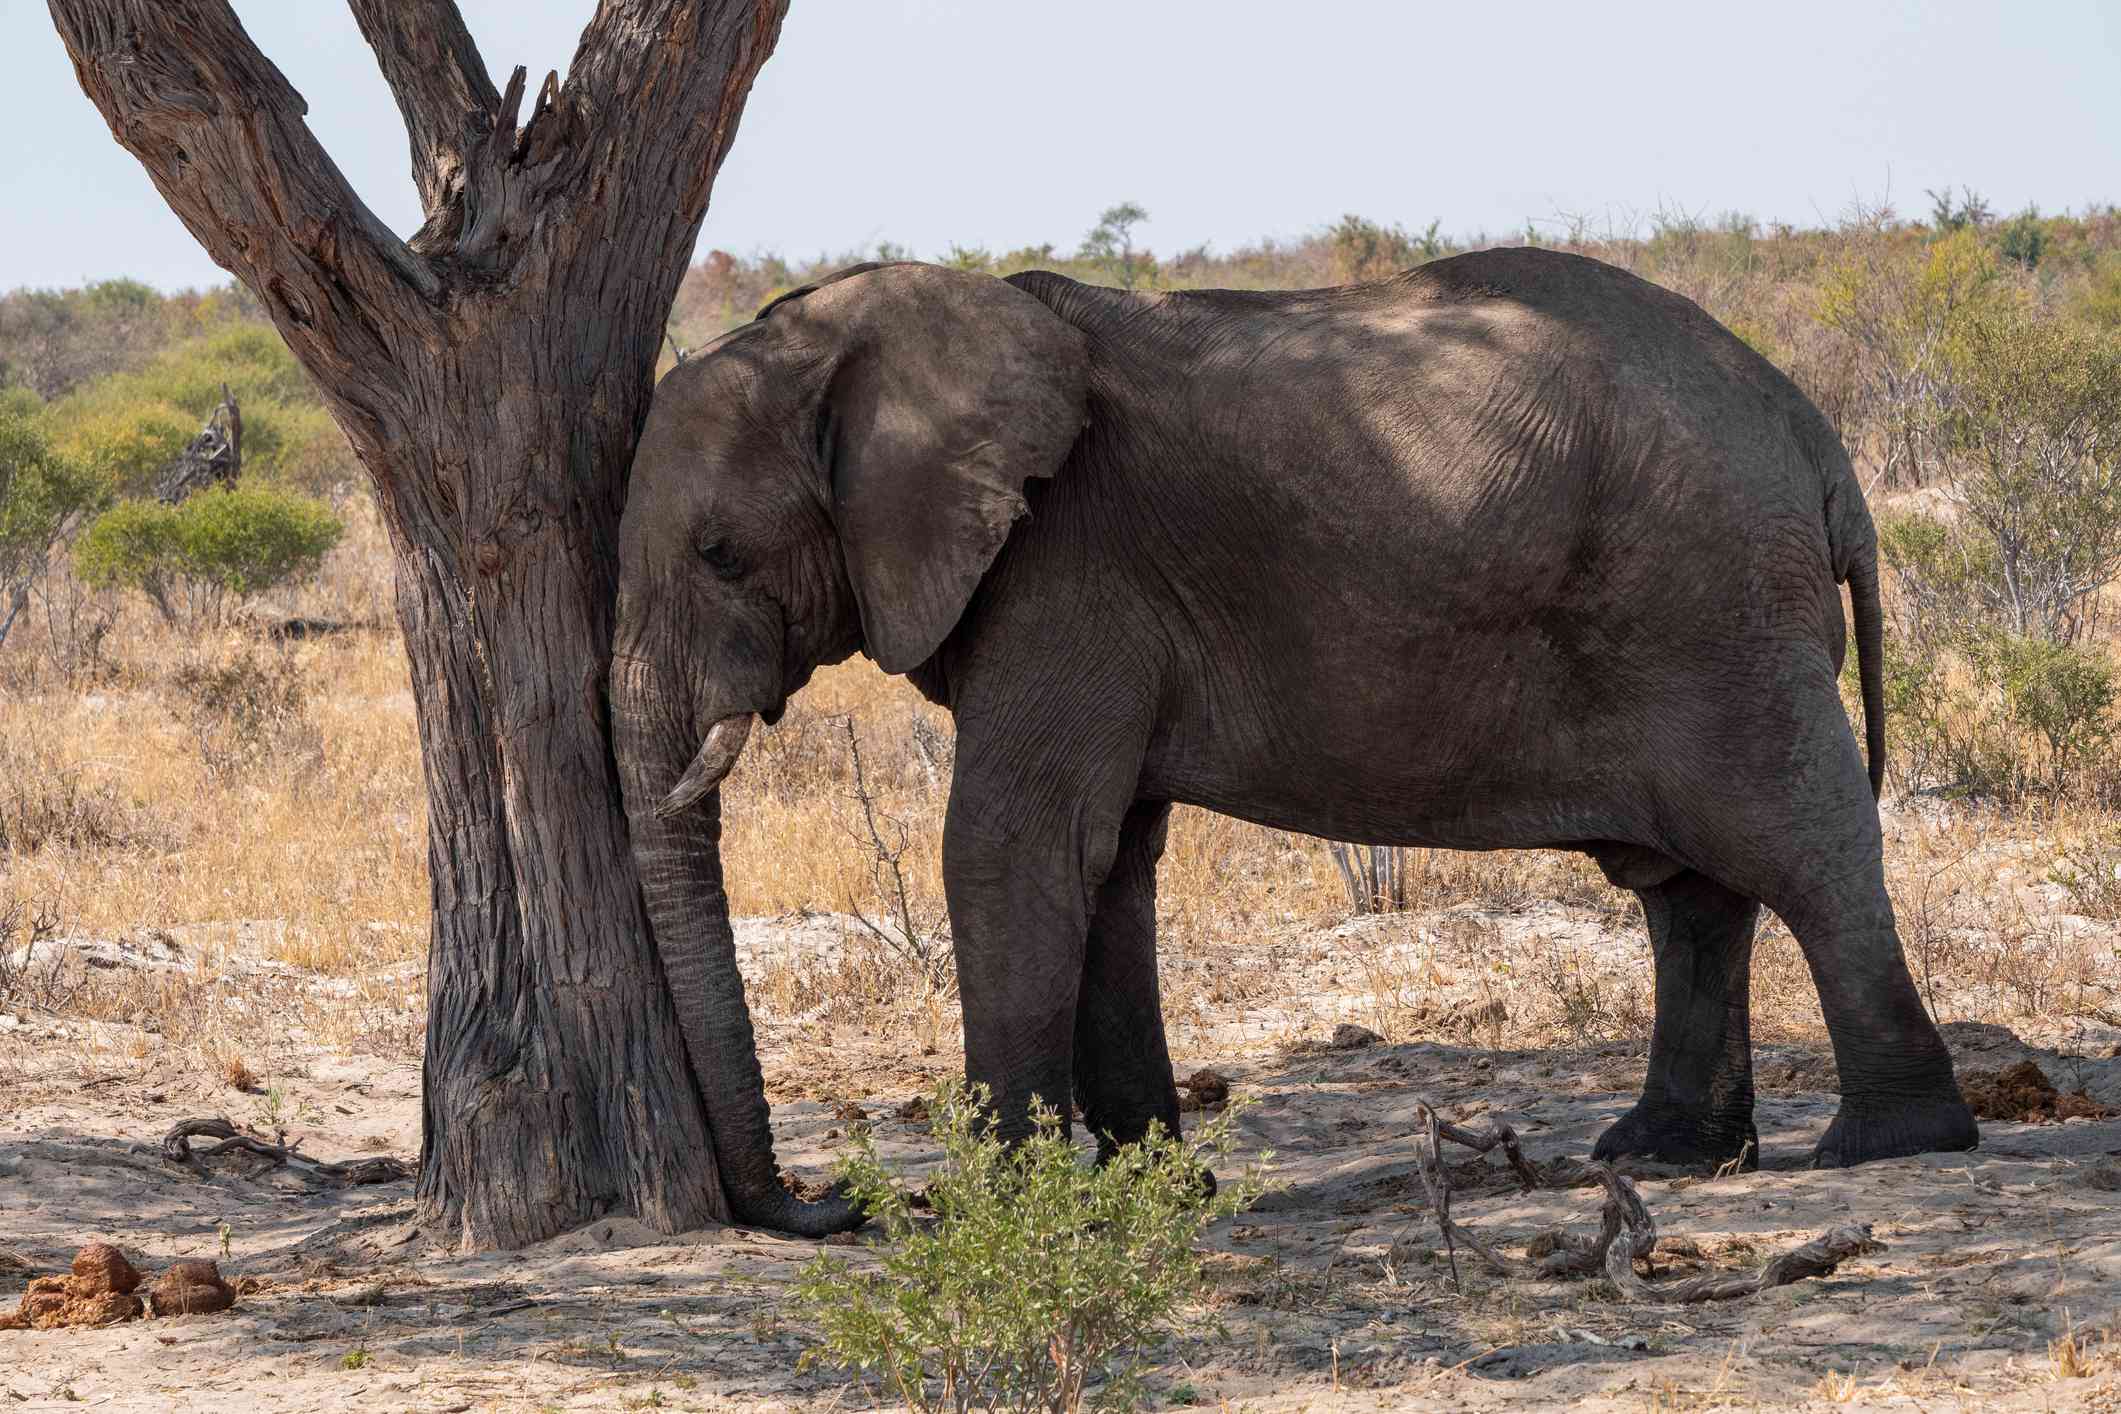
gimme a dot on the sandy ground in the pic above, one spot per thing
(1332, 1294)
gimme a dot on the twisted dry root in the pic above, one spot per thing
(176, 1147)
(1624, 1213)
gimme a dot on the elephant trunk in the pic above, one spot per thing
(678, 855)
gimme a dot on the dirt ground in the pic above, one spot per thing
(1332, 1294)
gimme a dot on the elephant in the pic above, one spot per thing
(1510, 550)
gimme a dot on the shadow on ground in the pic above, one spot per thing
(1333, 1289)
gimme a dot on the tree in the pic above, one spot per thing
(2037, 423)
(1111, 244)
(42, 496)
(492, 373)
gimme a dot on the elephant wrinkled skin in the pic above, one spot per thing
(1512, 550)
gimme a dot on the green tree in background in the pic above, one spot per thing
(1110, 245)
(193, 560)
(41, 496)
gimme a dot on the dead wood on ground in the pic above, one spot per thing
(1561, 1254)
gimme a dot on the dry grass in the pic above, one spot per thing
(261, 844)
(124, 805)
(261, 806)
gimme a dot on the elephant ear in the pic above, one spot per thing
(950, 391)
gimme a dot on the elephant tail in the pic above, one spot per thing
(1870, 666)
(1852, 551)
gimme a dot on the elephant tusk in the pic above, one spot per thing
(724, 743)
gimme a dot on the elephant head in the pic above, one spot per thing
(836, 475)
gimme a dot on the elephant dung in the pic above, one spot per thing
(104, 1267)
(2023, 1093)
(191, 1287)
(98, 1293)
(1205, 1089)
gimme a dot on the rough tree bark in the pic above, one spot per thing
(492, 373)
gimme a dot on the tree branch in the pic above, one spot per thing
(434, 70)
(689, 62)
(222, 135)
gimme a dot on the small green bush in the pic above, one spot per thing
(2059, 694)
(1037, 1273)
(130, 425)
(2023, 238)
(2099, 303)
(194, 558)
(125, 444)
(1948, 578)
(1368, 250)
(2036, 426)
(1988, 713)
(42, 495)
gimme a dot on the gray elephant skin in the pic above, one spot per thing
(1513, 550)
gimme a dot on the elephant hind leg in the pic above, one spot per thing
(1697, 1102)
(1791, 821)
(1898, 1093)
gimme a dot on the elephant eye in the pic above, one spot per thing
(721, 558)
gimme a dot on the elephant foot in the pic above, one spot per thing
(1863, 1132)
(1666, 1134)
(781, 1210)
(1108, 1150)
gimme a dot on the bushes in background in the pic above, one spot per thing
(129, 426)
(1995, 684)
(221, 547)
(41, 495)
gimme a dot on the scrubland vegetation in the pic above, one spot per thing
(170, 762)
(207, 738)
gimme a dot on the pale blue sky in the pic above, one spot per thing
(1003, 122)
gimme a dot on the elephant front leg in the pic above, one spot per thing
(1697, 1102)
(1019, 917)
(1122, 1065)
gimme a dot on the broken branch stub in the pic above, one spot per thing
(215, 455)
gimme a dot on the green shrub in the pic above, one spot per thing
(2100, 302)
(1988, 713)
(1902, 306)
(222, 545)
(2058, 694)
(125, 444)
(2023, 238)
(42, 495)
(2089, 867)
(1948, 578)
(1037, 1273)
(2036, 424)
(1367, 250)
(129, 426)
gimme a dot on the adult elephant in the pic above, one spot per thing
(1513, 550)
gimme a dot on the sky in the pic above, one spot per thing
(1002, 123)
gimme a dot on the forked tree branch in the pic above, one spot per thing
(222, 135)
(433, 67)
(640, 61)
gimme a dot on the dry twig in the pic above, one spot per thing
(176, 1147)
(1560, 1254)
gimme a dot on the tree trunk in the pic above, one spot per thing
(492, 374)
